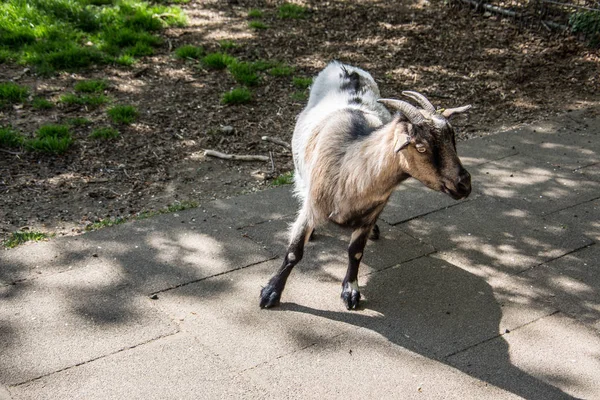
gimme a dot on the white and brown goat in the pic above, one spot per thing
(350, 154)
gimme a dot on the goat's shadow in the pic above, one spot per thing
(442, 312)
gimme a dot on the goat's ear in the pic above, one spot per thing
(449, 112)
(401, 138)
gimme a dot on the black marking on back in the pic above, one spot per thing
(356, 100)
(359, 126)
(350, 80)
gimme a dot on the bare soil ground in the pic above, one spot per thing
(510, 74)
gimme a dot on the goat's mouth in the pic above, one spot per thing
(456, 194)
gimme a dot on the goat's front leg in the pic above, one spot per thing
(350, 292)
(271, 294)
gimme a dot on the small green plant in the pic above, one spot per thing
(302, 83)
(244, 73)
(78, 121)
(39, 103)
(255, 13)
(281, 70)
(237, 96)
(258, 25)
(84, 100)
(189, 52)
(218, 60)
(126, 60)
(180, 206)
(299, 95)
(105, 133)
(263, 65)
(20, 237)
(104, 223)
(139, 50)
(54, 139)
(227, 44)
(587, 23)
(123, 114)
(91, 86)
(292, 11)
(11, 93)
(10, 137)
(284, 179)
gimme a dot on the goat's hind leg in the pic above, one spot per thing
(350, 292)
(271, 294)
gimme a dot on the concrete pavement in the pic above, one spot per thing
(497, 296)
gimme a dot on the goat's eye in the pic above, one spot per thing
(421, 148)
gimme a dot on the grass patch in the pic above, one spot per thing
(72, 34)
(123, 114)
(299, 95)
(218, 60)
(255, 13)
(39, 103)
(91, 86)
(104, 223)
(302, 83)
(92, 100)
(263, 65)
(284, 179)
(79, 121)
(258, 25)
(237, 96)
(105, 133)
(10, 137)
(292, 11)
(281, 70)
(189, 52)
(17, 238)
(227, 44)
(244, 73)
(126, 60)
(53, 139)
(11, 93)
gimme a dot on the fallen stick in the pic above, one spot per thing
(277, 141)
(234, 157)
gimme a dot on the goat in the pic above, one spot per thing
(350, 154)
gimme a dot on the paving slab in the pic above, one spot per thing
(550, 141)
(364, 365)
(537, 187)
(436, 309)
(237, 330)
(4, 394)
(485, 236)
(592, 172)
(572, 284)
(478, 151)
(65, 319)
(552, 358)
(583, 217)
(254, 208)
(331, 242)
(175, 367)
(413, 199)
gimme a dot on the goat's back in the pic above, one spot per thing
(338, 93)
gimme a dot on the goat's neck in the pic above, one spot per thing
(373, 165)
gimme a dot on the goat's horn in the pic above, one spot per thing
(422, 100)
(447, 113)
(411, 112)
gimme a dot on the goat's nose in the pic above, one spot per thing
(464, 183)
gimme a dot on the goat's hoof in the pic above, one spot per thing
(374, 233)
(269, 297)
(350, 297)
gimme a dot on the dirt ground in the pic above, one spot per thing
(509, 73)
